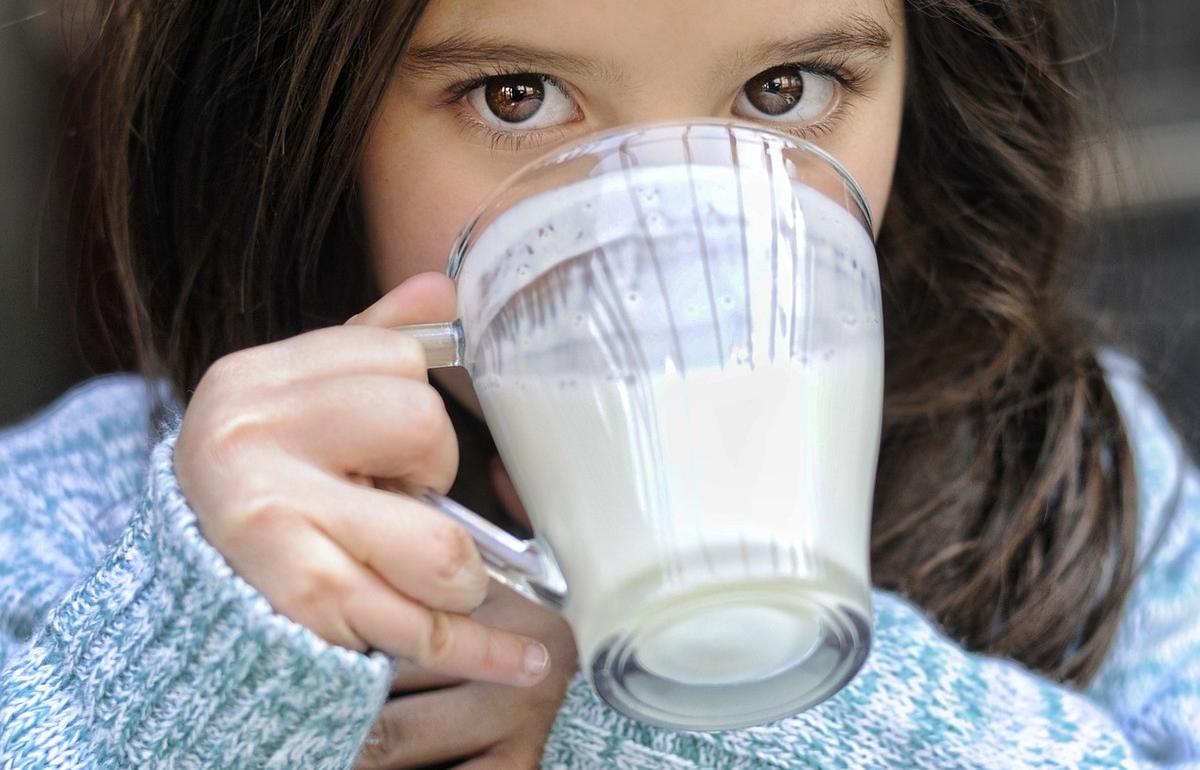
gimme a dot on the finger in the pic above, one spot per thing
(412, 547)
(417, 730)
(370, 424)
(333, 351)
(312, 595)
(346, 603)
(409, 678)
(423, 298)
(443, 642)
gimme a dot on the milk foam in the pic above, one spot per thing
(710, 214)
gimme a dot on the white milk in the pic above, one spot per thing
(733, 444)
(778, 462)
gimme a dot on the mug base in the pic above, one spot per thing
(732, 656)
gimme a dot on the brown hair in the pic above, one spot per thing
(229, 134)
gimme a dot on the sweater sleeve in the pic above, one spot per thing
(922, 701)
(126, 639)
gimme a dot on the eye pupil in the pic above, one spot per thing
(777, 90)
(515, 98)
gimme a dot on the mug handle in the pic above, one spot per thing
(443, 342)
(526, 566)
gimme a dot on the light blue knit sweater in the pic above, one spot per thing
(126, 641)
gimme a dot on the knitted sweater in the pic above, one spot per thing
(126, 641)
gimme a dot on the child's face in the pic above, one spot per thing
(449, 130)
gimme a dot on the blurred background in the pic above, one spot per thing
(1137, 273)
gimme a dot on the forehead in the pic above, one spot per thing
(620, 36)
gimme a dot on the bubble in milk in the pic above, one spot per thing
(589, 242)
(648, 194)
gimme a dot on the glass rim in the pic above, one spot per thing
(588, 142)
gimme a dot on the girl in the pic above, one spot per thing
(225, 585)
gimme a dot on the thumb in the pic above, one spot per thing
(423, 298)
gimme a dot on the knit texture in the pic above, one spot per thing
(126, 641)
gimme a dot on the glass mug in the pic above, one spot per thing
(675, 333)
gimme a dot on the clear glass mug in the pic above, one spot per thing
(675, 333)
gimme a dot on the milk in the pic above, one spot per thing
(700, 433)
(749, 461)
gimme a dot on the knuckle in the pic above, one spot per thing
(247, 513)
(230, 370)
(317, 586)
(438, 644)
(233, 432)
(452, 551)
(227, 415)
(264, 507)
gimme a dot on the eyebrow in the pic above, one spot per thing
(857, 35)
(461, 50)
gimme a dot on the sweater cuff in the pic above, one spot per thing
(182, 663)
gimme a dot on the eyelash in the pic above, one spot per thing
(508, 140)
(848, 78)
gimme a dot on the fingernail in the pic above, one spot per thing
(536, 659)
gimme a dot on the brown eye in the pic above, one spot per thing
(776, 91)
(526, 100)
(788, 93)
(515, 98)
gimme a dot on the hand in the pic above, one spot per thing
(281, 454)
(430, 718)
